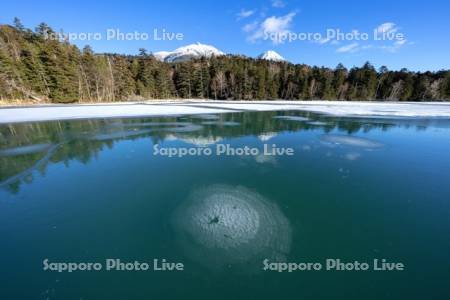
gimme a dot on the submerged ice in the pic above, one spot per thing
(349, 140)
(226, 225)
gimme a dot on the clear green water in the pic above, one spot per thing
(85, 191)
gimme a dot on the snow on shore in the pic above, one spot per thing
(172, 108)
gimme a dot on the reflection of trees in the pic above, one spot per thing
(76, 140)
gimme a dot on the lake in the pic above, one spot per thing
(200, 192)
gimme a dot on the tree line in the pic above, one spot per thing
(33, 67)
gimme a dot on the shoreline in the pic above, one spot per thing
(173, 107)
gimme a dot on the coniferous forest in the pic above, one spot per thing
(33, 68)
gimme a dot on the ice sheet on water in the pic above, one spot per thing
(49, 152)
(292, 118)
(187, 128)
(317, 123)
(119, 134)
(29, 149)
(150, 124)
(206, 117)
(220, 123)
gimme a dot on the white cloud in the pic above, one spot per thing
(351, 48)
(395, 46)
(323, 41)
(278, 3)
(400, 42)
(389, 29)
(386, 28)
(250, 26)
(273, 27)
(244, 14)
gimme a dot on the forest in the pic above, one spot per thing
(40, 70)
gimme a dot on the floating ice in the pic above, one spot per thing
(29, 149)
(219, 123)
(206, 117)
(226, 225)
(349, 140)
(198, 141)
(119, 134)
(173, 126)
(187, 128)
(150, 124)
(292, 118)
(317, 123)
(41, 162)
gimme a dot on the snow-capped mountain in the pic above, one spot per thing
(161, 55)
(188, 52)
(271, 55)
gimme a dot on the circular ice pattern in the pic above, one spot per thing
(227, 225)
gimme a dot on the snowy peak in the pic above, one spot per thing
(271, 55)
(161, 55)
(188, 52)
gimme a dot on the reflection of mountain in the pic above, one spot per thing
(264, 137)
(198, 141)
(30, 147)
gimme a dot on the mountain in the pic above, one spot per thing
(161, 55)
(271, 55)
(42, 70)
(188, 52)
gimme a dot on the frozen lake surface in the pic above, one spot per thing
(172, 108)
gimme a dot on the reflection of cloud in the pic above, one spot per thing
(348, 140)
(224, 225)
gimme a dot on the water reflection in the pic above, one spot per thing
(353, 141)
(27, 147)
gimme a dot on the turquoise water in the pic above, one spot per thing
(354, 190)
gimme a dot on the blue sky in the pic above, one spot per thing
(242, 27)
